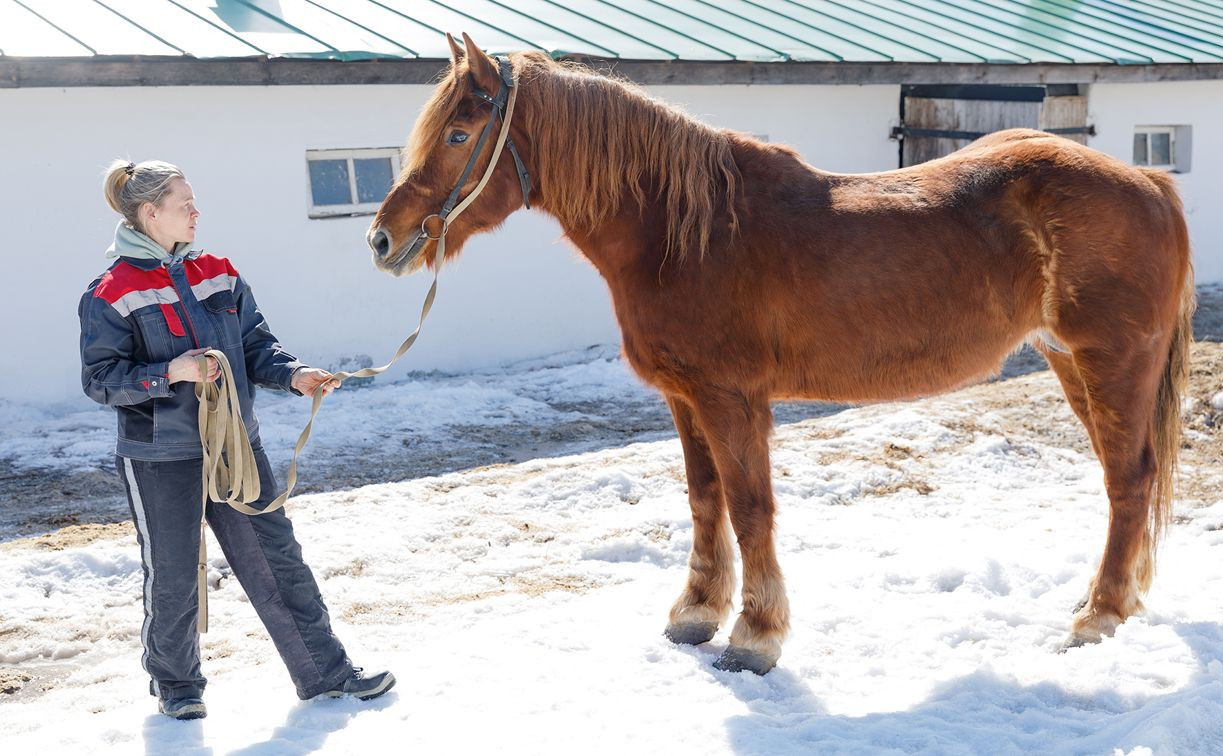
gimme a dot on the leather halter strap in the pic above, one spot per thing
(501, 107)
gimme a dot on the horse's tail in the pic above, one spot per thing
(1166, 425)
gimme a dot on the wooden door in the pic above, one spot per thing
(937, 120)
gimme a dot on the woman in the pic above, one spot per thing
(143, 322)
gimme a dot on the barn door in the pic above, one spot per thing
(936, 120)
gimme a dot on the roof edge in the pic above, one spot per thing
(129, 71)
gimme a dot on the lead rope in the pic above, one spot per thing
(230, 474)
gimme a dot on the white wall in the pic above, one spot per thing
(520, 292)
(1116, 109)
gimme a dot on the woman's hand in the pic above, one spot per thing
(185, 367)
(308, 380)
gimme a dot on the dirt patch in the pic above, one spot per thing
(1201, 480)
(73, 536)
(13, 680)
(1032, 408)
(920, 485)
(30, 682)
(380, 612)
(525, 585)
(41, 500)
(355, 568)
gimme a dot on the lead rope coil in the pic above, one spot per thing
(230, 474)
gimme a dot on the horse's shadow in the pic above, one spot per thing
(984, 713)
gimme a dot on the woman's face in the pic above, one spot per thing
(173, 221)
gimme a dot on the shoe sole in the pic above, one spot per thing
(387, 683)
(194, 711)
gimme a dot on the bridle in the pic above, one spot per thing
(502, 104)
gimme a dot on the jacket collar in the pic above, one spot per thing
(143, 263)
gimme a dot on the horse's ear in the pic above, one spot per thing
(483, 70)
(456, 52)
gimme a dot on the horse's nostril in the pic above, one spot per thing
(381, 243)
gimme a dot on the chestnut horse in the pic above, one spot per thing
(741, 274)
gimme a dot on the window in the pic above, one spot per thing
(350, 182)
(1166, 147)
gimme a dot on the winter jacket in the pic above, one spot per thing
(142, 313)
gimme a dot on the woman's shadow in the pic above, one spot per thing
(306, 728)
(165, 735)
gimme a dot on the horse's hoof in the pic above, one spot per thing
(735, 659)
(692, 633)
(1075, 641)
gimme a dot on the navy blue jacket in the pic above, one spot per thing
(142, 313)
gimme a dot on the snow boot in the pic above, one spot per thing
(362, 686)
(182, 708)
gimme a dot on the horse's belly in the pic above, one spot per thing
(884, 371)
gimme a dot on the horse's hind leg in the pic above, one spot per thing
(1072, 386)
(1120, 383)
(1076, 396)
(736, 428)
(706, 599)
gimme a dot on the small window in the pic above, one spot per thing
(1166, 147)
(350, 182)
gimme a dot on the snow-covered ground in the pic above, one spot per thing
(932, 555)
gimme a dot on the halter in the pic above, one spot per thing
(500, 105)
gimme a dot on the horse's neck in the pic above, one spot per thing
(618, 247)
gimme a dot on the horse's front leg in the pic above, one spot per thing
(706, 599)
(737, 428)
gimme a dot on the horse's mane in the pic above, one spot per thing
(594, 137)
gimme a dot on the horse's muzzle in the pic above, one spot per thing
(397, 261)
(380, 242)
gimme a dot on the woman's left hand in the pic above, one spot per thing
(308, 380)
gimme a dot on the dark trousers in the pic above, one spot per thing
(262, 552)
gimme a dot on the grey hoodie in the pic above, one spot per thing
(131, 243)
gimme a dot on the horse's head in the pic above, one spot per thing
(444, 161)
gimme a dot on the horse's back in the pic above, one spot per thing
(916, 280)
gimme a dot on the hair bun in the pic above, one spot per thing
(125, 192)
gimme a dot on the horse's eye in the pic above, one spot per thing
(456, 137)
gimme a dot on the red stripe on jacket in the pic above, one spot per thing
(125, 278)
(205, 267)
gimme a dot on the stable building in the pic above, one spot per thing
(287, 116)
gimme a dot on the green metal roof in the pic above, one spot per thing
(1126, 32)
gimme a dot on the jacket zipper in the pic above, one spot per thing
(183, 302)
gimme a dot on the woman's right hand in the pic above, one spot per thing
(185, 367)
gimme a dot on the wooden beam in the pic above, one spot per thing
(103, 71)
(167, 72)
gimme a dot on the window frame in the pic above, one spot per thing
(349, 155)
(1147, 131)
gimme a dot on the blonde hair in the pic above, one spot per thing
(128, 186)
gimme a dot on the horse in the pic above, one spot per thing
(740, 274)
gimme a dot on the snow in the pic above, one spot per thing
(931, 562)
